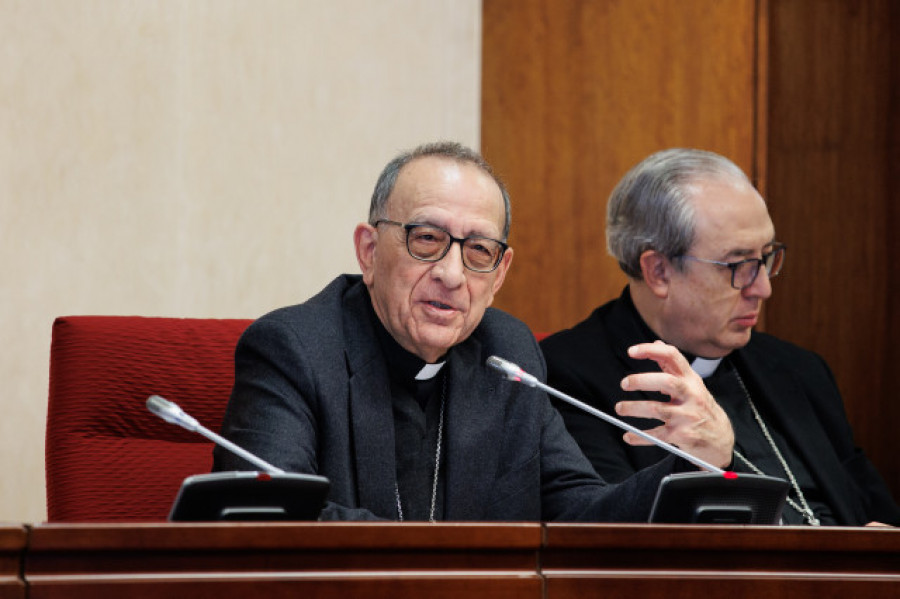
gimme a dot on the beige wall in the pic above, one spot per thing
(197, 158)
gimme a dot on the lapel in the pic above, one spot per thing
(785, 399)
(371, 416)
(474, 419)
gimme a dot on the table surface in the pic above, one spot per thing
(516, 560)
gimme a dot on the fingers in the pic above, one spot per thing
(691, 419)
(636, 440)
(713, 445)
(670, 360)
(677, 379)
(657, 410)
(675, 386)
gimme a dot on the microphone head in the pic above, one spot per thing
(497, 363)
(508, 369)
(170, 412)
(159, 406)
(512, 372)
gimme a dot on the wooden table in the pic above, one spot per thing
(12, 549)
(727, 562)
(273, 560)
(520, 561)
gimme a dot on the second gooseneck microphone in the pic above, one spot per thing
(515, 373)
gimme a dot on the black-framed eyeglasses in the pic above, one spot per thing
(744, 272)
(430, 243)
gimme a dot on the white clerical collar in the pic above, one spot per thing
(429, 371)
(705, 367)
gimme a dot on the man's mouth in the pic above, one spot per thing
(440, 305)
(747, 320)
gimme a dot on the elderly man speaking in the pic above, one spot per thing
(379, 382)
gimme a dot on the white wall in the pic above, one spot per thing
(203, 158)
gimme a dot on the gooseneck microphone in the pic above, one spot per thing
(515, 373)
(171, 412)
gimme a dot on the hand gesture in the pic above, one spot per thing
(692, 420)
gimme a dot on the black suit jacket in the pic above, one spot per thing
(794, 385)
(312, 394)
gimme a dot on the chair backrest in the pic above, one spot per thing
(107, 457)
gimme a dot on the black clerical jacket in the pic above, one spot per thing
(312, 394)
(793, 385)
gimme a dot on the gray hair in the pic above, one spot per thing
(650, 208)
(445, 149)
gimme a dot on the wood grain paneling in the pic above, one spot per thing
(832, 170)
(394, 560)
(13, 541)
(802, 94)
(574, 94)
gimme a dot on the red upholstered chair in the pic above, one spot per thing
(107, 457)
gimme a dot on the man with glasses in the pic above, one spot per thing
(380, 381)
(699, 249)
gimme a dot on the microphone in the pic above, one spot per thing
(172, 413)
(512, 371)
(515, 373)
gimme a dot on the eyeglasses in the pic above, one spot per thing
(430, 243)
(744, 272)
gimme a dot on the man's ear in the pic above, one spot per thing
(656, 270)
(365, 238)
(502, 269)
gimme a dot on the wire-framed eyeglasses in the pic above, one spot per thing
(744, 272)
(430, 243)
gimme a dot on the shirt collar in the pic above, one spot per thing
(429, 371)
(705, 367)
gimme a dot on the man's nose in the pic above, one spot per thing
(450, 269)
(761, 286)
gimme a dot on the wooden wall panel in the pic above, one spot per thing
(802, 94)
(574, 93)
(832, 191)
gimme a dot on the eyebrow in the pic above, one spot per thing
(471, 233)
(744, 253)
